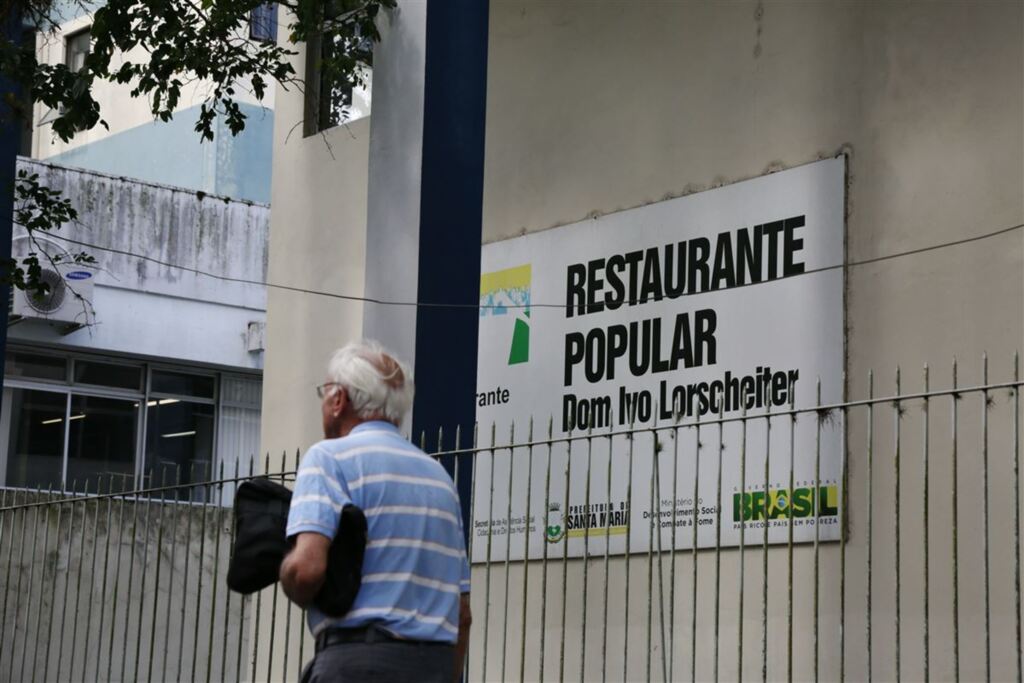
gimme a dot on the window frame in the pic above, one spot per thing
(45, 380)
(68, 388)
(68, 38)
(182, 371)
(162, 395)
(139, 425)
(272, 23)
(312, 123)
(8, 420)
(316, 115)
(73, 36)
(72, 366)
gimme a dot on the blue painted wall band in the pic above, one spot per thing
(451, 215)
(10, 142)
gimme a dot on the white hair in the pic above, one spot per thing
(378, 384)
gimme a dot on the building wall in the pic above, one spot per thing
(134, 144)
(172, 153)
(926, 101)
(393, 188)
(598, 107)
(111, 585)
(146, 307)
(317, 252)
(317, 243)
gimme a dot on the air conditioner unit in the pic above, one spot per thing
(70, 294)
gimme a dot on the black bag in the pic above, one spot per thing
(344, 564)
(261, 518)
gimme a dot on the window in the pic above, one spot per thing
(179, 445)
(182, 384)
(328, 102)
(263, 23)
(76, 49)
(179, 431)
(101, 443)
(27, 365)
(35, 456)
(108, 375)
(98, 425)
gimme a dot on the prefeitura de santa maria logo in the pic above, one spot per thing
(554, 529)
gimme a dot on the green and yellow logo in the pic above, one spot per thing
(507, 292)
(579, 522)
(554, 530)
(808, 501)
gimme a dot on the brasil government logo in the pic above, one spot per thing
(507, 293)
(808, 501)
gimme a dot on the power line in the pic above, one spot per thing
(386, 302)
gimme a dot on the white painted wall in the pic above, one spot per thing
(117, 107)
(343, 200)
(926, 99)
(179, 549)
(598, 107)
(318, 242)
(144, 307)
(345, 222)
(395, 167)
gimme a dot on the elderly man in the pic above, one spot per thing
(410, 620)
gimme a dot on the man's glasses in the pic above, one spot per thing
(321, 390)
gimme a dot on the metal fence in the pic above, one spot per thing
(904, 560)
(119, 586)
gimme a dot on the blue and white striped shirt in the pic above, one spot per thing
(415, 565)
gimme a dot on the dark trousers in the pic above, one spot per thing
(382, 662)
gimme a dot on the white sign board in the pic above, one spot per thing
(673, 315)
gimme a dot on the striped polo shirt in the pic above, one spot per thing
(415, 565)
